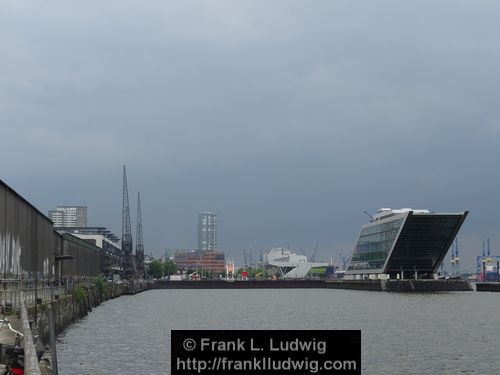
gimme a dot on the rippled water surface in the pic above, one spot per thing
(449, 333)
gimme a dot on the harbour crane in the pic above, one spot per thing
(128, 264)
(344, 260)
(245, 258)
(139, 246)
(313, 256)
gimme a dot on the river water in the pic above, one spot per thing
(440, 333)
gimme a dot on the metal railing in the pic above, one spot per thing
(10, 291)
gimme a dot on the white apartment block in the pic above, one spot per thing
(69, 216)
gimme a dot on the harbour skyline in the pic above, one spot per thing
(288, 148)
(182, 178)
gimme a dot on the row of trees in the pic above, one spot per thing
(158, 269)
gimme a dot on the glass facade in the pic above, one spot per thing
(424, 242)
(374, 244)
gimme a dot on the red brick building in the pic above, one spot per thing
(209, 260)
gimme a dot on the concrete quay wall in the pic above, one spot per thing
(488, 287)
(238, 284)
(429, 285)
(371, 285)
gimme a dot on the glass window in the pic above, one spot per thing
(374, 244)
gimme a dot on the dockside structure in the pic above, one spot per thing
(403, 243)
(30, 247)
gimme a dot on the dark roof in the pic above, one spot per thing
(69, 237)
(21, 198)
(90, 230)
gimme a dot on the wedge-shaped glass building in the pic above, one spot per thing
(403, 243)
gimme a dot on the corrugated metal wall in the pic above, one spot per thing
(87, 257)
(26, 237)
(28, 242)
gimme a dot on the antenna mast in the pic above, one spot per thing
(370, 216)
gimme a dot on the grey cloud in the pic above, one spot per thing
(288, 118)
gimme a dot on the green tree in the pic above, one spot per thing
(169, 267)
(156, 269)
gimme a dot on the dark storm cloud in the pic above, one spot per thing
(287, 118)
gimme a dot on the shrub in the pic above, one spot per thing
(102, 287)
(79, 292)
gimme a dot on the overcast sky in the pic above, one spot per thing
(286, 118)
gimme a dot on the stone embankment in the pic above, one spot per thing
(70, 307)
(66, 308)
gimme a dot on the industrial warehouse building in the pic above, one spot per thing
(30, 248)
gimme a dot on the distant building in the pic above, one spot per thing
(148, 260)
(207, 231)
(69, 216)
(290, 264)
(185, 259)
(208, 260)
(102, 238)
(214, 261)
(403, 243)
(98, 236)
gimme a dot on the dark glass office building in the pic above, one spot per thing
(403, 243)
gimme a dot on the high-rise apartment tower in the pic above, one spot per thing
(207, 231)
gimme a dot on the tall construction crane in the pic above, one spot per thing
(251, 261)
(128, 264)
(313, 256)
(139, 245)
(245, 258)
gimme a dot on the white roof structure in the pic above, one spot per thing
(382, 213)
(290, 264)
